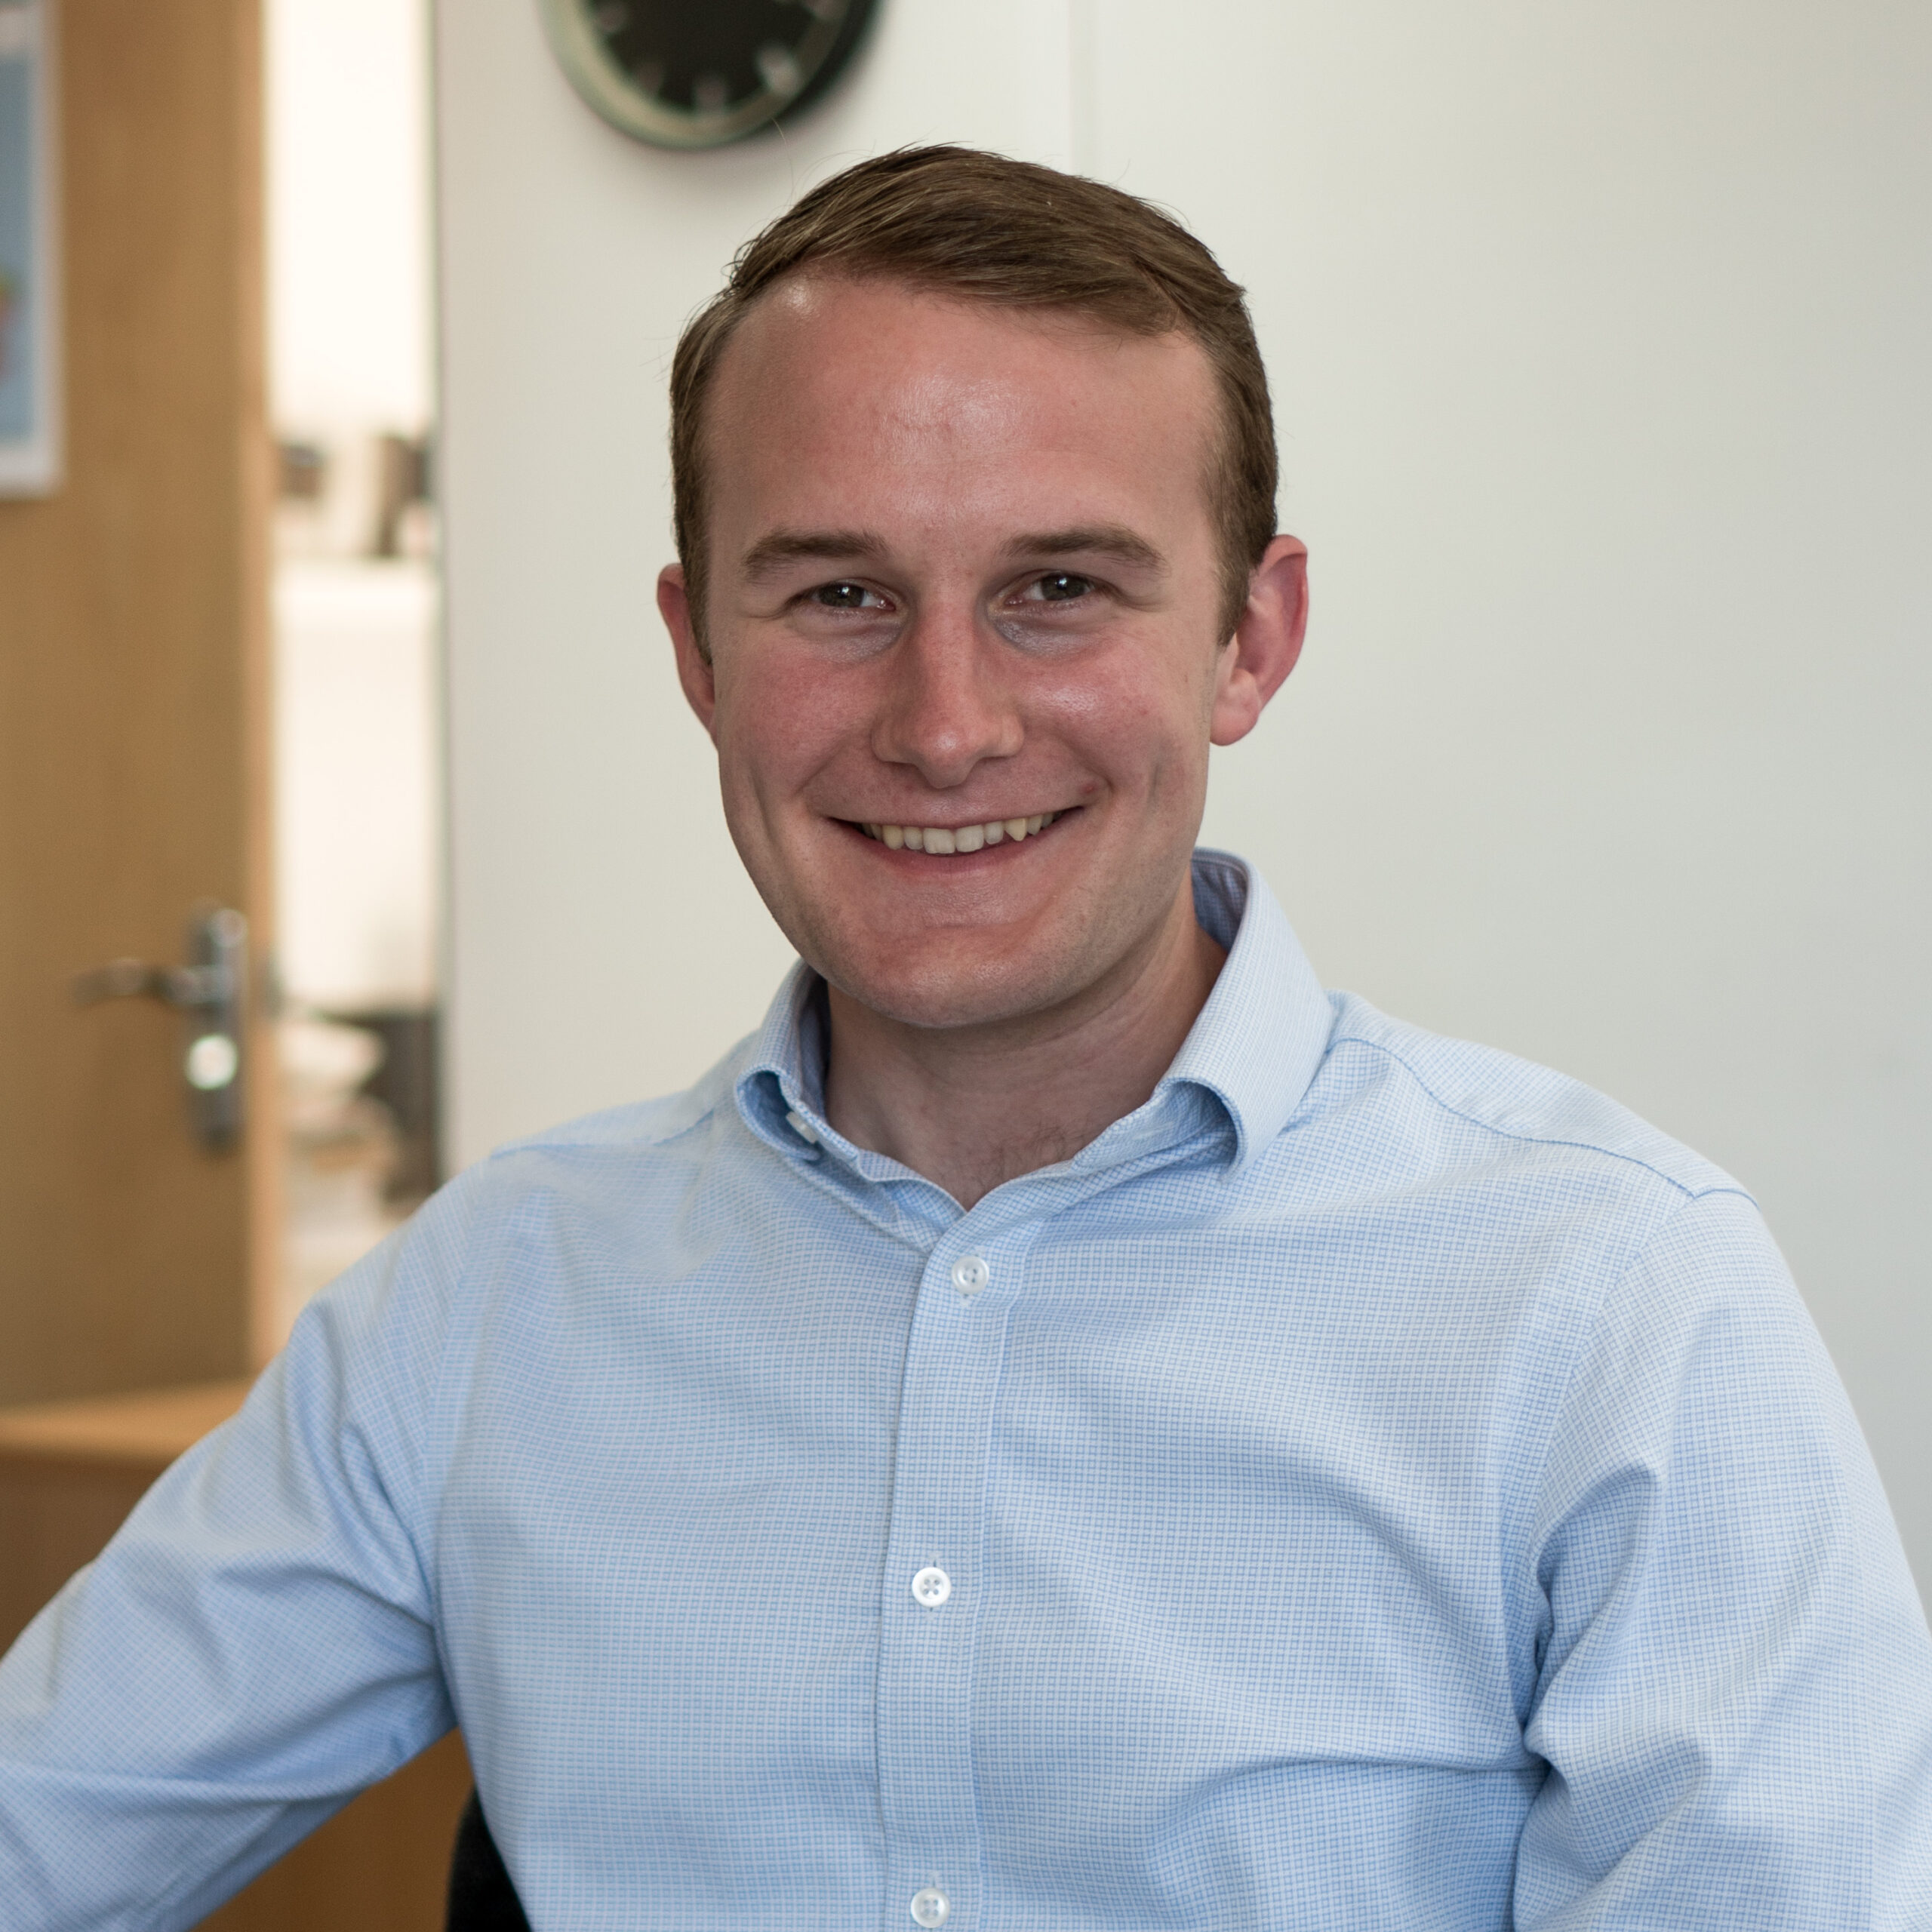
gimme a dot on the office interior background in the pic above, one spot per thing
(1598, 341)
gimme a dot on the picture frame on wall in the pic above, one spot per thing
(29, 336)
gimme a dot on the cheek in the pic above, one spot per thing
(781, 720)
(1141, 726)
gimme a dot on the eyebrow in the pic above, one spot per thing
(770, 553)
(1092, 540)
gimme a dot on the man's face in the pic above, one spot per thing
(963, 575)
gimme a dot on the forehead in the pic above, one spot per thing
(879, 395)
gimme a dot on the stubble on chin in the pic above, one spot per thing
(939, 983)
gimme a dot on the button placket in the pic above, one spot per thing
(924, 1702)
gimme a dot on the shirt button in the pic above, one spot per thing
(970, 1274)
(932, 1586)
(930, 1906)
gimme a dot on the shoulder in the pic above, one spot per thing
(672, 1127)
(516, 1228)
(605, 1169)
(1472, 1104)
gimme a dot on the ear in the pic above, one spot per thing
(1267, 640)
(694, 670)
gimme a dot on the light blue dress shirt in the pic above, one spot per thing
(1378, 1485)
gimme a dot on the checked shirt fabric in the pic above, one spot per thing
(1376, 1483)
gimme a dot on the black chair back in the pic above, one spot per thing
(482, 1897)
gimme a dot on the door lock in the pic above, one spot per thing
(210, 993)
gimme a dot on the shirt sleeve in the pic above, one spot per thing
(1734, 1691)
(257, 1643)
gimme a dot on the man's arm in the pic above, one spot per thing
(257, 1642)
(1735, 1688)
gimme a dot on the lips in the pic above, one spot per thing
(951, 839)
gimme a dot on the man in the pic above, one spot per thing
(1069, 1426)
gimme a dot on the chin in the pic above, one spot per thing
(946, 993)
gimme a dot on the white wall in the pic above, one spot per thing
(1597, 336)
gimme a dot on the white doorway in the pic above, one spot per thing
(359, 844)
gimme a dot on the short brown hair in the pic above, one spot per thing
(956, 221)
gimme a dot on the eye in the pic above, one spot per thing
(1058, 587)
(846, 596)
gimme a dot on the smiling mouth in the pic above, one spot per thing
(944, 838)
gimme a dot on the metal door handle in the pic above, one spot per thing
(210, 991)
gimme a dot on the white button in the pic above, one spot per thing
(932, 1586)
(801, 1127)
(929, 1906)
(969, 1273)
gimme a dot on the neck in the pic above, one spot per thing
(970, 1107)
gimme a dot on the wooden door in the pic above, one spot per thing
(132, 719)
(134, 668)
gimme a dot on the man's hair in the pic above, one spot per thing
(978, 227)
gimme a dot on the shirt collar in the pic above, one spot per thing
(1257, 1044)
(1254, 1048)
(780, 1078)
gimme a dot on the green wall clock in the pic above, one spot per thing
(698, 73)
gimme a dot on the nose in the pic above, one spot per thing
(946, 706)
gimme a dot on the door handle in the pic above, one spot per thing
(210, 993)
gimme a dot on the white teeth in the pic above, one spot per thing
(944, 839)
